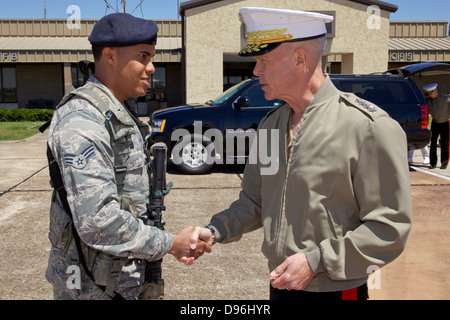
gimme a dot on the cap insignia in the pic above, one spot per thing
(268, 36)
(258, 40)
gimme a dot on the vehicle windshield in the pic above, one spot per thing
(381, 93)
(228, 94)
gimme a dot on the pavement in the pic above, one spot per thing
(419, 164)
(235, 271)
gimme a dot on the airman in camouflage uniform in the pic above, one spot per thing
(101, 150)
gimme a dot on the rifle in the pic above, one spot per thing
(154, 284)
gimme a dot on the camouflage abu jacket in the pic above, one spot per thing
(108, 224)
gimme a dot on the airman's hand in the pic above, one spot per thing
(183, 249)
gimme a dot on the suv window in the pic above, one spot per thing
(257, 99)
(228, 94)
(381, 93)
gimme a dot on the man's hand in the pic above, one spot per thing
(182, 248)
(294, 273)
(203, 234)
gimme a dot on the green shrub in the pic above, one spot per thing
(34, 115)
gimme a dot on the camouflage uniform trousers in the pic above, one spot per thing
(90, 291)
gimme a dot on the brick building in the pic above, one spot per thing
(38, 63)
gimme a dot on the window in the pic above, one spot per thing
(381, 93)
(229, 81)
(157, 90)
(235, 72)
(79, 77)
(8, 89)
(257, 99)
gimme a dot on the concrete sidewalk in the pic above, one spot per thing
(20, 160)
(418, 162)
(25, 196)
(24, 205)
(233, 271)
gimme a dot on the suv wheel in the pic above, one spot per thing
(193, 154)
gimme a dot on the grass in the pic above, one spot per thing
(18, 130)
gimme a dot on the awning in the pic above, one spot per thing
(71, 49)
(419, 49)
(436, 44)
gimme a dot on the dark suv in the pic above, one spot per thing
(398, 96)
(221, 131)
(189, 131)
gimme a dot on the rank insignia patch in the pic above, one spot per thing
(79, 161)
(366, 105)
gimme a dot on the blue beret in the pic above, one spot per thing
(123, 30)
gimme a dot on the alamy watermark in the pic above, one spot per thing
(212, 142)
(374, 20)
(374, 279)
(74, 19)
(74, 279)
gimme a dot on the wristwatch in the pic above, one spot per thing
(213, 232)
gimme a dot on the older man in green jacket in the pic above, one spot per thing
(339, 205)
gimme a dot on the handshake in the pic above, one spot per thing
(190, 244)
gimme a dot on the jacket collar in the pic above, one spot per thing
(326, 91)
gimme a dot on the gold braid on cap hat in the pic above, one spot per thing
(267, 36)
(258, 40)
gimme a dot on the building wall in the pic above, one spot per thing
(39, 81)
(214, 30)
(418, 41)
(42, 51)
(418, 29)
(51, 40)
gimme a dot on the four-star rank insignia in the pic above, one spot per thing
(367, 105)
(79, 161)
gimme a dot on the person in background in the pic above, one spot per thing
(425, 155)
(439, 108)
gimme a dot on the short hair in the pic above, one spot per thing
(97, 52)
(315, 47)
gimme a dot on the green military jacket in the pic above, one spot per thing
(342, 196)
